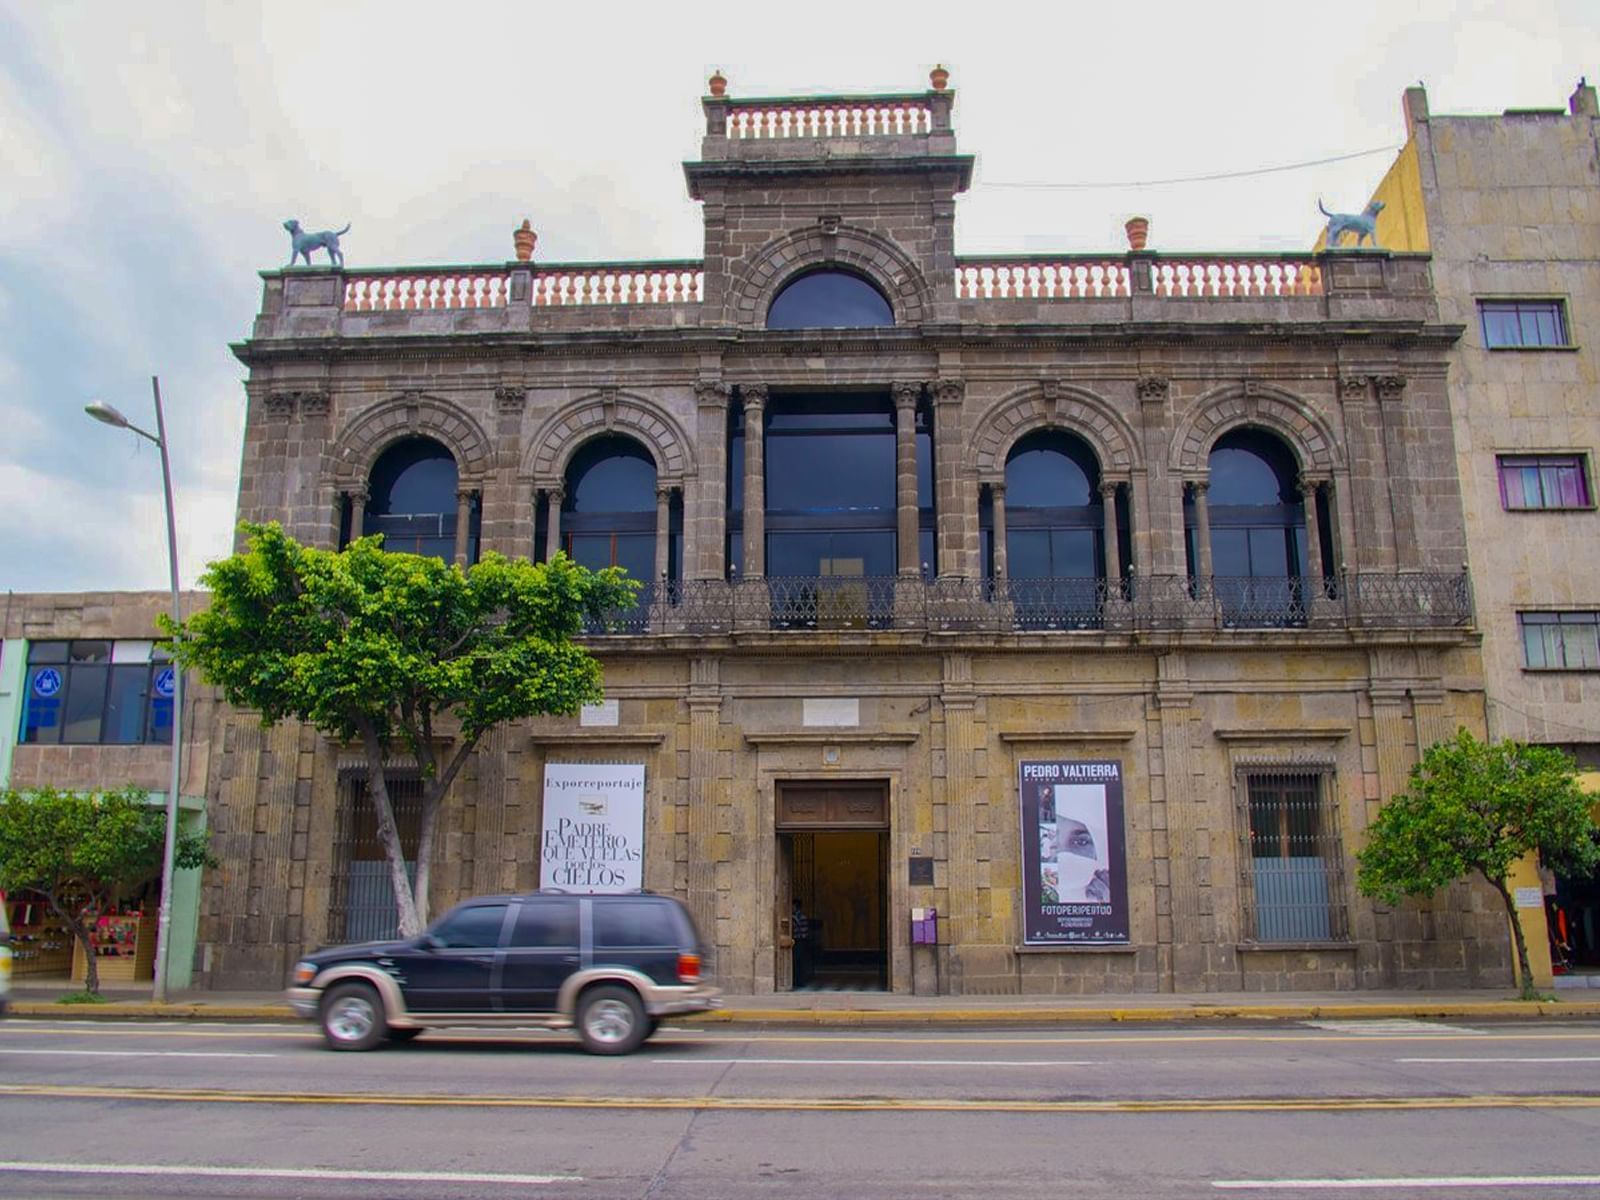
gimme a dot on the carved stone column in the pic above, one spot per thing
(705, 509)
(1113, 549)
(1202, 529)
(905, 475)
(1314, 566)
(755, 479)
(463, 524)
(997, 496)
(663, 531)
(552, 539)
(359, 498)
(955, 516)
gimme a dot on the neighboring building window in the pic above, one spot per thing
(412, 501)
(1296, 891)
(98, 693)
(1523, 323)
(1531, 481)
(829, 300)
(1561, 641)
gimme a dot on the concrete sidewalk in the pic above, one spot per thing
(882, 1009)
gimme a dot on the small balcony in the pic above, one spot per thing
(1154, 604)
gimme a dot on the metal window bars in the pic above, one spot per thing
(1292, 873)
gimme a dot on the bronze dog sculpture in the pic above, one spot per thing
(302, 243)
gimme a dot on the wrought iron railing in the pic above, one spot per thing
(1412, 600)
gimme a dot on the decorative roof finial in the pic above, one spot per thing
(939, 77)
(718, 83)
(523, 239)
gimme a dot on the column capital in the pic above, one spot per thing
(510, 399)
(754, 395)
(1152, 389)
(465, 494)
(556, 491)
(997, 488)
(712, 394)
(664, 490)
(1200, 486)
(949, 391)
(1108, 489)
(905, 394)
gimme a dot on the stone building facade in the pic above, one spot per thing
(831, 701)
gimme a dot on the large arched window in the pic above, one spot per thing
(829, 299)
(1055, 531)
(1258, 529)
(411, 500)
(608, 515)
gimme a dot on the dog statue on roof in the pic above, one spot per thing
(303, 243)
(1363, 224)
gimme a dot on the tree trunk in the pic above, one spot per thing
(389, 832)
(80, 934)
(431, 804)
(1525, 970)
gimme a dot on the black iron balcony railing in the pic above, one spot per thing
(1412, 600)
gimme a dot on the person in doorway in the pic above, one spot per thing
(801, 926)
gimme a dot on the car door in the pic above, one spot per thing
(541, 952)
(453, 969)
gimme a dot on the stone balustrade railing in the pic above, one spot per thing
(1193, 276)
(1041, 279)
(427, 288)
(618, 283)
(828, 117)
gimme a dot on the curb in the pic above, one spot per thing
(860, 1017)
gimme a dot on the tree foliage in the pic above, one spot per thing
(80, 852)
(1480, 807)
(397, 651)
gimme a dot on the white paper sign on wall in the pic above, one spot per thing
(593, 828)
(607, 712)
(1529, 897)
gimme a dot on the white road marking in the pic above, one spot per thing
(1438, 1181)
(309, 1173)
(1498, 1060)
(878, 1062)
(147, 1053)
(1406, 1025)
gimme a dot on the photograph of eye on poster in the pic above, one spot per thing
(593, 827)
(1074, 857)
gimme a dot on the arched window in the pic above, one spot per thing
(608, 515)
(411, 500)
(1055, 531)
(829, 299)
(1258, 529)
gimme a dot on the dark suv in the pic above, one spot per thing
(610, 966)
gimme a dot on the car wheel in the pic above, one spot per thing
(398, 1036)
(611, 1020)
(352, 1017)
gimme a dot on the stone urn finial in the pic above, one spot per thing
(1138, 229)
(524, 238)
(718, 83)
(939, 77)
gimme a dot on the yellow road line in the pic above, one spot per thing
(802, 1104)
(687, 1037)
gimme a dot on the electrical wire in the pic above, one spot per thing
(1211, 178)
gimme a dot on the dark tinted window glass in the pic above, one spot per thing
(622, 923)
(86, 700)
(1244, 475)
(546, 923)
(1050, 471)
(412, 499)
(829, 300)
(46, 683)
(831, 472)
(472, 928)
(1523, 322)
(47, 652)
(612, 475)
(125, 704)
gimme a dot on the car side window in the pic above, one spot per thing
(543, 923)
(472, 928)
(634, 923)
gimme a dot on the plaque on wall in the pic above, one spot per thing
(921, 869)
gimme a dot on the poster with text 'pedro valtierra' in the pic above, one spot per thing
(1074, 853)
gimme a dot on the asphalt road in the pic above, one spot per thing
(1382, 1109)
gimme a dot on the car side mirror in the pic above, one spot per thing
(428, 942)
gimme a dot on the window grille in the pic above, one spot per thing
(1293, 879)
(362, 907)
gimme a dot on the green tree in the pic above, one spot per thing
(396, 651)
(1477, 806)
(81, 852)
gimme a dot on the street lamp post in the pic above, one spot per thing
(106, 413)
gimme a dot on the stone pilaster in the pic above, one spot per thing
(705, 714)
(905, 476)
(706, 514)
(1187, 965)
(959, 701)
(956, 549)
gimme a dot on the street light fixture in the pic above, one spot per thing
(103, 412)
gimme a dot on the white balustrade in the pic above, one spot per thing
(423, 290)
(1207, 278)
(825, 119)
(559, 286)
(1041, 280)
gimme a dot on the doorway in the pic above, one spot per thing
(833, 886)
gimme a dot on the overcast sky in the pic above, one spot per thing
(149, 154)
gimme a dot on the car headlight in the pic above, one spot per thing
(304, 973)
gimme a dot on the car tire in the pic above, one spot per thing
(353, 1017)
(611, 1020)
(399, 1036)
